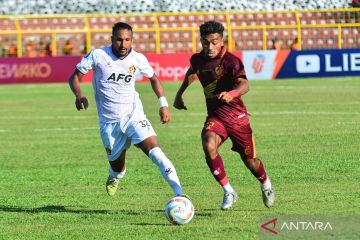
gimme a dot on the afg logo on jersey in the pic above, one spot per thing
(120, 77)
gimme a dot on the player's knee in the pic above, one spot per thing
(210, 150)
(210, 142)
(148, 144)
(252, 163)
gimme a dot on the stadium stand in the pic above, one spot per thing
(147, 6)
(175, 31)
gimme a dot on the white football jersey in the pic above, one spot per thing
(114, 83)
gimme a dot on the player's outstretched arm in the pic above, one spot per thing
(190, 77)
(74, 82)
(159, 91)
(241, 89)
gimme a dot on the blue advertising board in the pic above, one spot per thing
(321, 63)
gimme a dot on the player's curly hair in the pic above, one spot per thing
(119, 26)
(211, 27)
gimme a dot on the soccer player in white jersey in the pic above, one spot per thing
(121, 117)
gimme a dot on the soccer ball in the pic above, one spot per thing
(179, 210)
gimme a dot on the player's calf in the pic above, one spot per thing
(258, 170)
(167, 169)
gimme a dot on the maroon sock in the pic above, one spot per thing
(217, 169)
(260, 173)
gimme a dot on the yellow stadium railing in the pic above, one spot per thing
(157, 28)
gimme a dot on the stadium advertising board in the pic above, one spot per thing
(321, 63)
(259, 65)
(170, 66)
(263, 65)
(37, 70)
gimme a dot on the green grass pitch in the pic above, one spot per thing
(53, 166)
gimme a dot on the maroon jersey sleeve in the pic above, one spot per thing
(236, 67)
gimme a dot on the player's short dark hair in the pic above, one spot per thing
(211, 27)
(119, 26)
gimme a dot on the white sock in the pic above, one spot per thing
(228, 188)
(267, 184)
(118, 175)
(167, 169)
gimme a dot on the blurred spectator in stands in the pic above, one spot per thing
(276, 43)
(42, 49)
(68, 48)
(49, 49)
(30, 49)
(84, 50)
(295, 45)
(355, 3)
(45, 50)
(12, 50)
(3, 49)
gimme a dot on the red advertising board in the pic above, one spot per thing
(37, 70)
(168, 66)
(259, 65)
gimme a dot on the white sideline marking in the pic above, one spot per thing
(348, 123)
(85, 128)
(47, 129)
(63, 129)
(89, 117)
(304, 113)
(197, 126)
(185, 126)
(47, 117)
(185, 114)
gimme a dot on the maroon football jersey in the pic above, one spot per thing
(218, 75)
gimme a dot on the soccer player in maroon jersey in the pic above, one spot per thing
(223, 78)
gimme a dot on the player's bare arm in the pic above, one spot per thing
(241, 89)
(74, 81)
(159, 91)
(190, 77)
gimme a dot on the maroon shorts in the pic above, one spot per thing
(238, 130)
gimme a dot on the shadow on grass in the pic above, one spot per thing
(153, 224)
(63, 209)
(207, 212)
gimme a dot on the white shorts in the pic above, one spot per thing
(116, 141)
